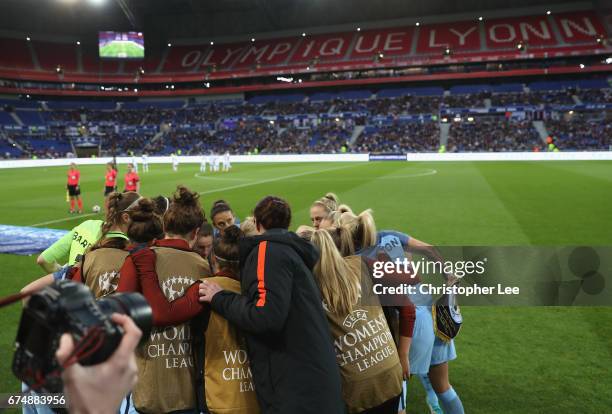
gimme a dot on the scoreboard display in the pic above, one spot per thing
(121, 45)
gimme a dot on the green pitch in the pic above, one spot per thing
(123, 49)
(510, 360)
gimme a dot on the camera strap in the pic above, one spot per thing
(15, 297)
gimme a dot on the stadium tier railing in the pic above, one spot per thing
(297, 158)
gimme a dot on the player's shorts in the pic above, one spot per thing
(426, 348)
(108, 190)
(443, 351)
(423, 339)
(74, 190)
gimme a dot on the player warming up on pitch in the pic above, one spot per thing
(74, 190)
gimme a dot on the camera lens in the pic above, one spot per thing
(133, 305)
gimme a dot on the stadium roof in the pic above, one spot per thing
(175, 19)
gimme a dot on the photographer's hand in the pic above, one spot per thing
(100, 388)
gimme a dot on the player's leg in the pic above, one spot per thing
(438, 375)
(77, 196)
(421, 350)
(431, 397)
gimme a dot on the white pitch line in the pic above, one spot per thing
(270, 180)
(421, 174)
(63, 219)
(203, 177)
(382, 177)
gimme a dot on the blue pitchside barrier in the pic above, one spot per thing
(27, 240)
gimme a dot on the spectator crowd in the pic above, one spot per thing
(408, 123)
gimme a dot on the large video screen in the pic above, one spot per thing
(121, 45)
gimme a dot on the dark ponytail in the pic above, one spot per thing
(145, 225)
(227, 250)
(161, 204)
(185, 213)
(273, 213)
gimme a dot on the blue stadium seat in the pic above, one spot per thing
(16, 103)
(593, 84)
(102, 105)
(547, 86)
(262, 99)
(507, 88)
(6, 118)
(465, 89)
(31, 117)
(392, 92)
(293, 98)
(5, 148)
(359, 94)
(155, 104)
(426, 91)
(322, 96)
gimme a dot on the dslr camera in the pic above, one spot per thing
(70, 307)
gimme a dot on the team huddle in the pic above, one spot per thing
(251, 317)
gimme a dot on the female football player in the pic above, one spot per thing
(428, 354)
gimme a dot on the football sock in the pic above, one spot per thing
(80, 204)
(432, 398)
(72, 204)
(450, 402)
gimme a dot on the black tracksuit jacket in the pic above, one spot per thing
(281, 314)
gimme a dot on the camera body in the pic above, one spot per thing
(70, 307)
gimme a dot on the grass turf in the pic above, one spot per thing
(122, 49)
(510, 360)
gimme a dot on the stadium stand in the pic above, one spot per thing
(391, 89)
(15, 54)
(51, 55)
(6, 119)
(400, 137)
(364, 120)
(578, 31)
(581, 134)
(490, 135)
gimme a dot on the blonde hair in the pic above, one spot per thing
(343, 208)
(339, 286)
(305, 232)
(361, 227)
(248, 226)
(334, 217)
(329, 202)
(344, 241)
